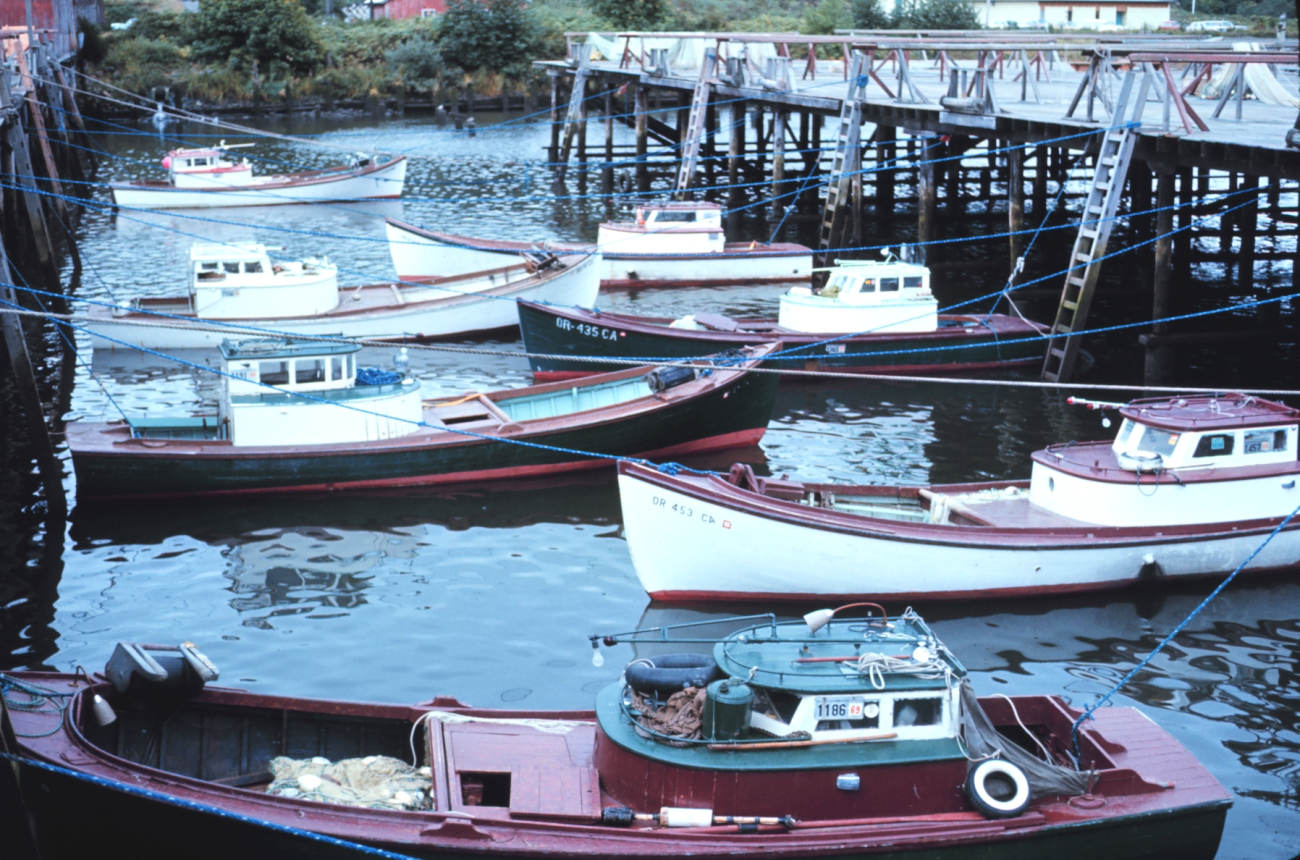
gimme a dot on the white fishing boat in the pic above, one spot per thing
(204, 178)
(890, 296)
(237, 290)
(667, 243)
(1190, 486)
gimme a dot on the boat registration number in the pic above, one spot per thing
(838, 708)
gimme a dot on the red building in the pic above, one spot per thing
(56, 20)
(406, 8)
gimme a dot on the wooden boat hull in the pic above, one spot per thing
(418, 252)
(119, 789)
(378, 181)
(729, 409)
(467, 306)
(734, 544)
(963, 344)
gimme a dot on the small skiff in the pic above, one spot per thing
(1191, 486)
(300, 416)
(237, 290)
(667, 244)
(205, 178)
(829, 737)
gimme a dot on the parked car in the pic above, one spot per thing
(1211, 27)
(1169, 25)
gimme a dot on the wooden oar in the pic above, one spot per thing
(785, 745)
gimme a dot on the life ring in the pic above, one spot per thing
(1141, 461)
(998, 789)
(666, 674)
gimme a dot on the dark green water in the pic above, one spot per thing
(488, 593)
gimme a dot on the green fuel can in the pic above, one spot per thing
(727, 706)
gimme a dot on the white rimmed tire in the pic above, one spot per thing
(998, 789)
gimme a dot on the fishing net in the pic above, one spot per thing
(680, 717)
(375, 782)
(984, 741)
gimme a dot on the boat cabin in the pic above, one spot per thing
(865, 296)
(1226, 456)
(206, 168)
(687, 229)
(240, 281)
(869, 700)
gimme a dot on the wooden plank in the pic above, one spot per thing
(436, 740)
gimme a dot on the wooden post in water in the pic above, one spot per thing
(1228, 219)
(553, 151)
(607, 172)
(1016, 201)
(886, 154)
(31, 198)
(926, 199)
(11, 331)
(735, 152)
(1183, 238)
(778, 166)
(1157, 357)
(711, 146)
(1248, 222)
(1040, 183)
(641, 100)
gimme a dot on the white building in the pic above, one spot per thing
(1069, 14)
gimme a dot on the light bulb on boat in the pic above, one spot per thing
(1105, 422)
(597, 659)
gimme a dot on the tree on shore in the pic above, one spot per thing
(935, 15)
(632, 14)
(266, 31)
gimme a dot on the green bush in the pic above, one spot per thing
(93, 47)
(824, 18)
(935, 15)
(172, 26)
(139, 65)
(632, 14)
(869, 15)
(488, 35)
(265, 31)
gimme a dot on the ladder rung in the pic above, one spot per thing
(1088, 234)
(1059, 353)
(1077, 282)
(1070, 305)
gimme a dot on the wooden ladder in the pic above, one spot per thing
(1098, 218)
(845, 164)
(695, 125)
(577, 110)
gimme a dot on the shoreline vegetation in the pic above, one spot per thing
(272, 56)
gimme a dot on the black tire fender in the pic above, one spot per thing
(667, 673)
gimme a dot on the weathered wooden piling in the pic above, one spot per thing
(640, 97)
(1157, 356)
(927, 197)
(1016, 202)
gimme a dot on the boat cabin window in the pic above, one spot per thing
(273, 372)
(679, 217)
(1152, 440)
(776, 704)
(254, 267)
(1263, 441)
(868, 286)
(889, 285)
(1215, 445)
(913, 283)
(336, 368)
(1125, 430)
(232, 268)
(309, 370)
(918, 712)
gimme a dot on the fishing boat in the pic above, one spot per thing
(1190, 486)
(236, 288)
(871, 317)
(833, 736)
(666, 244)
(300, 416)
(207, 177)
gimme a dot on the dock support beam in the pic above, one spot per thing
(779, 120)
(1016, 201)
(642, 102)
(553, 151)
(1157, 357)
(886, 154)
(926, 194)
(1040, 182)
(735, 153)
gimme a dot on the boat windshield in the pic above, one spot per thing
(1139, 438)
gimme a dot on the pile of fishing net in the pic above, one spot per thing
(375, 782)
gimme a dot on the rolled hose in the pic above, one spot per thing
(666, 674)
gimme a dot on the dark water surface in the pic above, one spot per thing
(487, 593)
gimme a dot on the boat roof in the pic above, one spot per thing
(226, 250)
(788, 656)
(879, 267)
(283, 347)
(194, 153)
(1201, 412)
(682, 206)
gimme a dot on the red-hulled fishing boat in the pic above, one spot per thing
(827, 737)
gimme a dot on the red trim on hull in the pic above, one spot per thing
(917, 596)
(738, 439)
(696, 282)
(897, 369)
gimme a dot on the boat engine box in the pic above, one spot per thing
(727, 708)
(159, 670)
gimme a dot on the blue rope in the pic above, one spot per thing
(171, 800)
(38, 698)
(1087, 714)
